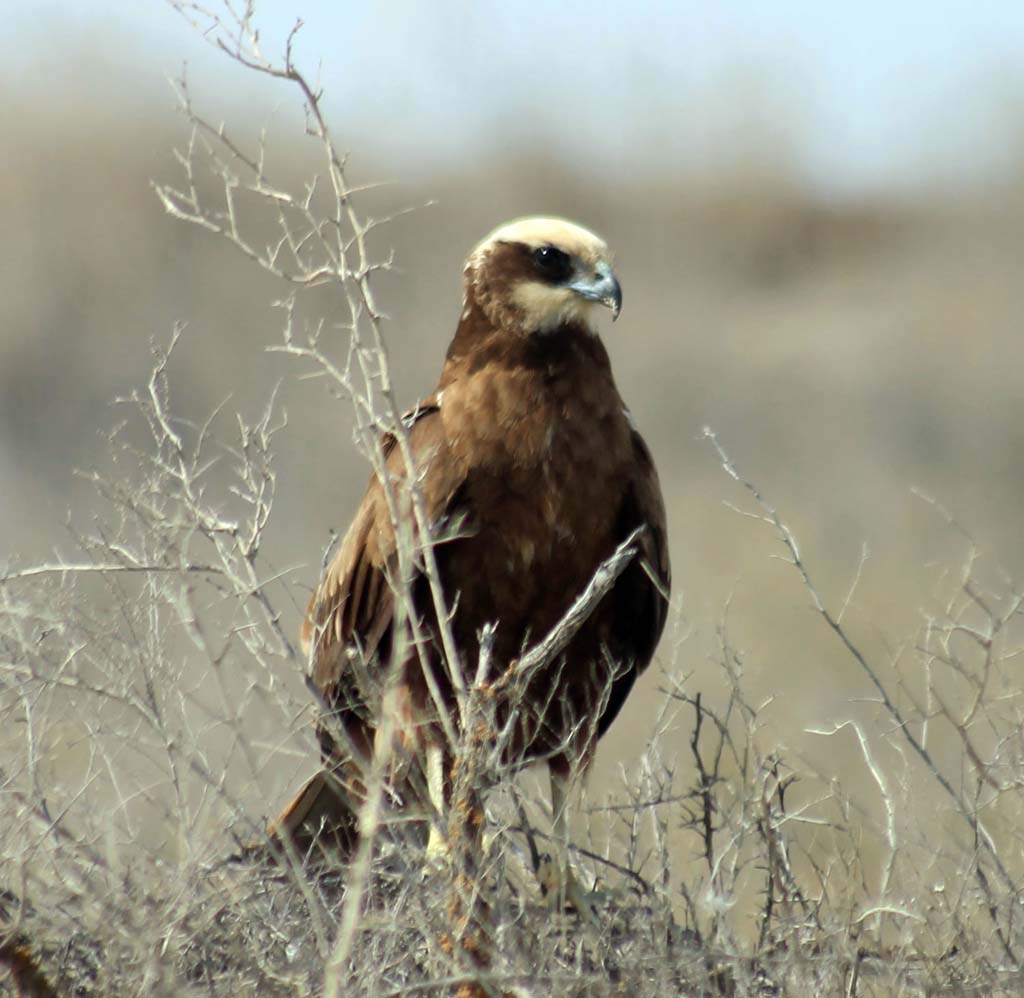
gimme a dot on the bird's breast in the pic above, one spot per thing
(539, 529)
(546, 458)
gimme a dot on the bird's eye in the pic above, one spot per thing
(553, 263)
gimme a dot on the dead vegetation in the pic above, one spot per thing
(152, 715)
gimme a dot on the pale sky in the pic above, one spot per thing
(858, 95)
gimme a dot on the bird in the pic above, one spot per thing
(530, 471)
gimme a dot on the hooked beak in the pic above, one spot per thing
(603, 287)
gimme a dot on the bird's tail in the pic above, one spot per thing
(320, 814)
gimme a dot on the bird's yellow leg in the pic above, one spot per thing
(437, 842)
(557, 878)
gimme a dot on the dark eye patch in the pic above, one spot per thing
(554, 264)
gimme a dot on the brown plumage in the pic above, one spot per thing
(527, 455)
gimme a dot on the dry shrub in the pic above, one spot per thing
(152, 712)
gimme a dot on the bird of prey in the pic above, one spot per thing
(531, 471)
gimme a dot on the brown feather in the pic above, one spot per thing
(527, 444)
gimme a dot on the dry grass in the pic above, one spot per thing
(120, 876)
(792, 803)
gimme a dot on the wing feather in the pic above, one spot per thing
(640, 597)
(353, 605)
(649, 505)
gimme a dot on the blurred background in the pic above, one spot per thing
(818, 217)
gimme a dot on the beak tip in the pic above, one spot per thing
(616, 298)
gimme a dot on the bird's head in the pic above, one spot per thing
(534, 275)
